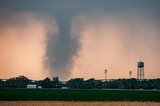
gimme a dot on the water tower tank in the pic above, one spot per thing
(140, 64)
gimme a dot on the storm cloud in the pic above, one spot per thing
(82, 38)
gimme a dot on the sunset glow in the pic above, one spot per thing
(71, 40)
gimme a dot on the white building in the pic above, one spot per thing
(31, 86)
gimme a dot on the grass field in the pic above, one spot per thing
(78, 95)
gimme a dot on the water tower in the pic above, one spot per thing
(140, 70)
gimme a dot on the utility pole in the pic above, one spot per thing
(105, 72)
(130, 74)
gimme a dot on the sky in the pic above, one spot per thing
(79, 38)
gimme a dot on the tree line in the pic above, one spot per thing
(80, 83)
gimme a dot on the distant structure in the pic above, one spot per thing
(105, 73)
(140, 70)
(31, 86)
(130, 74)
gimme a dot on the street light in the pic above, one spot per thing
(130, 74)
(105, 72)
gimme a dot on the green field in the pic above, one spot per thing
(78, 95)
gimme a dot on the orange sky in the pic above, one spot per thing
(23, 46)
(116, 43)
(108, 41)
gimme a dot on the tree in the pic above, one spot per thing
(98, 84)
(76, 83)
(56, 83)
(90, 83)
(17, 82)
(1, 83)
(46, 83)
